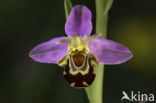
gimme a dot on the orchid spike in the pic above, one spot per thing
(79, 52)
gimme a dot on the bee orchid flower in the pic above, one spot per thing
(79, 52)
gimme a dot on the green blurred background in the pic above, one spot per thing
(26, 23)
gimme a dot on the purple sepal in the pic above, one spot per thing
(109, 52)
(49, 51)
(79, 22)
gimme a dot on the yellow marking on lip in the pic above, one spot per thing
(85, 83)
(72, 84)
(64, 73)
(78, 68)
(63, 61)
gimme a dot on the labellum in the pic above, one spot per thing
(79, 64)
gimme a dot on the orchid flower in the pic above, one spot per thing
(79, 52)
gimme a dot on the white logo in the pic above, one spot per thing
(137, 97)
(125, 96)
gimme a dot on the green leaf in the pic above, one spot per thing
(68, 7)
(107, 5)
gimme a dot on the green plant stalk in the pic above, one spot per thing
(67, 7)
(95, 91)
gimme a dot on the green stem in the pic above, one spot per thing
(95, 91)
